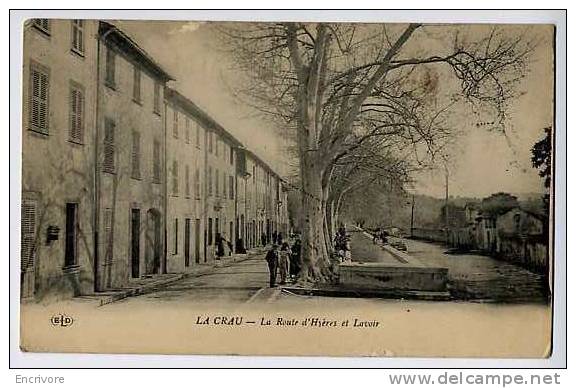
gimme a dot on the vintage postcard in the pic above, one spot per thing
(287, 188)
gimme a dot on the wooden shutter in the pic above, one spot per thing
(209, 181)
(156, 97)
(76, 115)
(43, 24)
(80, 32)
(110, 67)
(136, 154)
(78, 36)
(187, 180)
(156, 161)
(136, 88)
(217, 183)
(109, 146)
(175, 127)
(28, 234)
(108, 237)
(231, 186)
(38, 105)
(175, 177)
(197, 183)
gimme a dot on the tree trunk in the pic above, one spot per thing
(315, 260)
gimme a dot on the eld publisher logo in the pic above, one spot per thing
(61, 320)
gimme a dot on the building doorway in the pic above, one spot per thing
(153, 242)
(71, 247)
(187, 242)
(135, 242)
(197, 240)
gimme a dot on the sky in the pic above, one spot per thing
(483, 162)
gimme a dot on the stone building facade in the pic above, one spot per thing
(131, 179)
(122, 176)
(186, 214)
(58, 148)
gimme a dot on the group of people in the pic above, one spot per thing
(221, 243)
(285, 261)
(342, 245)
(381, 235)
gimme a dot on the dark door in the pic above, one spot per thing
(135, 239)
(187, 242)
(70, 255)
(232, 239)
(197, 241)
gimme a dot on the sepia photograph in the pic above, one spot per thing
(287, 188)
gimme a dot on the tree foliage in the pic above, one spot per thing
(369, 101)
(542, 156)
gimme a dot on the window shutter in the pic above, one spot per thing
(217, 183)
(136, 89)
(231, 186)
(136, 154)
(110, 67)
(197, 183)
(78, 36)
(175, 177)
(156, 162)
(38, 100)
(187, 180)
(175, 128)
(28, 234)
(108, 230)
(80, 115)
(76, 115)
(109, 146)
(209, 181)
(157, 97)
(81, 36)
(43, 24)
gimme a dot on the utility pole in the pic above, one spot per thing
(446, 206)
(412, 218)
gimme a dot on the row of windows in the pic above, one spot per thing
(77, 44)
(215, 181)
(187, 186)
(38, 104)
(175, 129)
(214, 146)
(110, 81)
(109, 159)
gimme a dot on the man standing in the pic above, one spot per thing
(272, 260)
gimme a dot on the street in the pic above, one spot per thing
(472, 277)
(235, 283)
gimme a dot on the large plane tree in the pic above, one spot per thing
(334, 86)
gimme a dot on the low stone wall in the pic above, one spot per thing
(376, 276)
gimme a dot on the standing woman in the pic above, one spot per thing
(284, 262)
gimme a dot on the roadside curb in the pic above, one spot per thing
(139, 290)
(265, 295)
